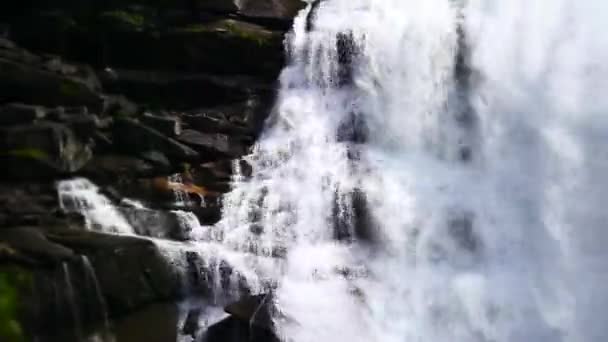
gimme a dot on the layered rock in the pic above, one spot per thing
(125, 93)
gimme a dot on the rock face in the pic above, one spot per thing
(126, 94)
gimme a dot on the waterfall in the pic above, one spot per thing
(433, 171)
(81, 196)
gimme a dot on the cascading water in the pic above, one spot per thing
(433, 172)
(81, 196)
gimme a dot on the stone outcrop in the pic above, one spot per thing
(124, 93)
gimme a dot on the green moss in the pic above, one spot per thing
(31, 153)
(233, 29)
(260, 37)
(123, 20)
(11, 280)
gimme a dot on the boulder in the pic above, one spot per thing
(62, 296)
(134, 137)
(131, 271)
(41, 150)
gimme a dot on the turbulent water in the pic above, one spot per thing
(432, 171)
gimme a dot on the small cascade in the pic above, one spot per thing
(176, 183)
(82, 196)
(101, 301)
(71, 301)
(191, 226)
(210, 269)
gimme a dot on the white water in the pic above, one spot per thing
(507, 246)
(82, 196)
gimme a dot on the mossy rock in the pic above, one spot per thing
(232, 29)
(121, 20)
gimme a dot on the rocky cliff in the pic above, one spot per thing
(124, 94)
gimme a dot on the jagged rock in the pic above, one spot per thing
(211, 146)
(41, 150)
(18, 113)
(134, 137)
(170, 126)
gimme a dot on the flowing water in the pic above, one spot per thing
(432, 171)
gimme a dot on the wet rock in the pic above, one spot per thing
(170, 126)
(255, 310)
(211, 146)
(134, 137)
(131, 271)
(18, 113)
(232, 329)
(348, 50)
(352, 219)
(312, 15)
(191, 325)
(353, 129)
(158, 159)
(461, 229)
(155, 223)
